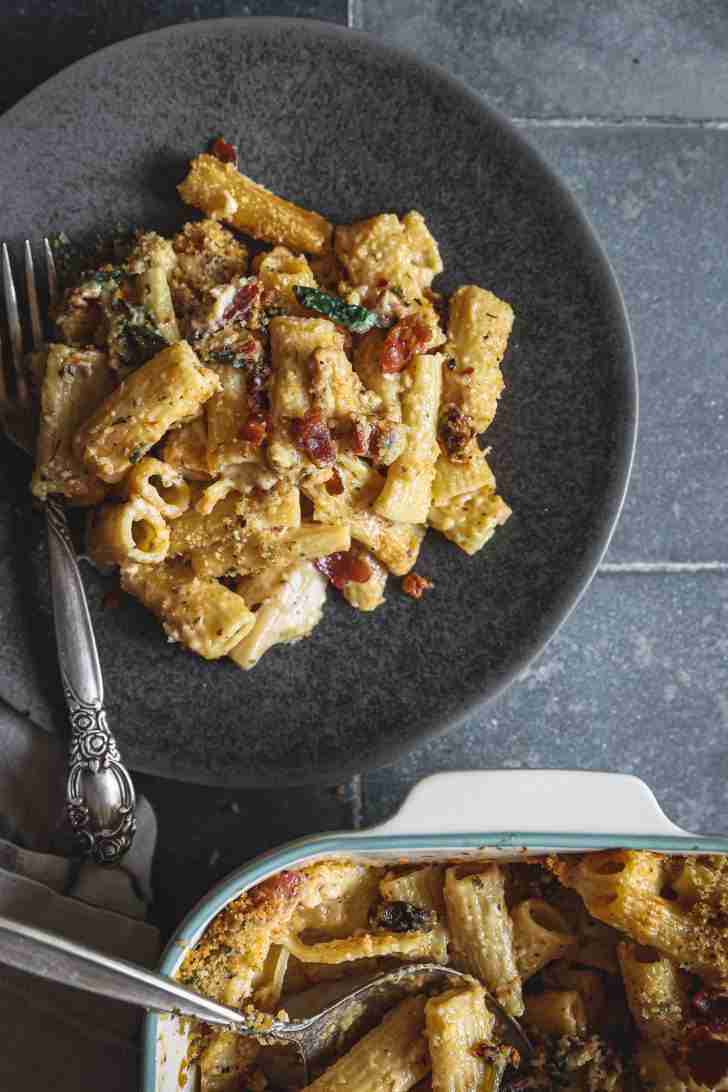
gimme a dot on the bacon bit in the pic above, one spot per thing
(242, 303)
(342, 567)
(415, 585)
(455, 432)
(225, 152)
(334, 484)
(111, 600)
(313, 435)
(283, 885)
(408, 337)
(255, 429)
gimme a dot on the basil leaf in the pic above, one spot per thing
(355, 318)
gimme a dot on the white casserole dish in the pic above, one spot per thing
(483, 813)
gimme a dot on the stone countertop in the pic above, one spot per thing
(629, 102)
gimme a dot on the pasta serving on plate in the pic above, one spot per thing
(249, 423)
(616, 964)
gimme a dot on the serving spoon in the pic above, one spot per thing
(53, 957)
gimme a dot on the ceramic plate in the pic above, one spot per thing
(341, 123)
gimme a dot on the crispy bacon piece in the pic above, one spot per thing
(225, 152)
(242, 302)
(313, 435)
(255, 429)
(342, 567)
(455, 431)
(334, 484)
(415, 585)
(283, 885)
(411, 335)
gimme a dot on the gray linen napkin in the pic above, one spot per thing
(54, 1037)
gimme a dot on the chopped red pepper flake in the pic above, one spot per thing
(334, 484)
(415, 585)
(411, 335)
(313, 435)
(225, 152)
(342, 567)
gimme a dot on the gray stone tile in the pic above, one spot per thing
(657, 197)
(584, 57)
(636, 681)
(205, 833)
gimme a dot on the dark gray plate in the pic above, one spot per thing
(343, 124)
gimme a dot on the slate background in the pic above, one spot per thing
(628, 100)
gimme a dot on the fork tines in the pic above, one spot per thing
(14, 323)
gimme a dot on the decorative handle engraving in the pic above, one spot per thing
(100, 797)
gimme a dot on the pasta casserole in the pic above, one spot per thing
(615, 963)
(250, 421)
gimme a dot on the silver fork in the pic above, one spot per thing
(100, 800)
(313, 1037)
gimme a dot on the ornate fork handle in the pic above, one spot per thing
(100, 797)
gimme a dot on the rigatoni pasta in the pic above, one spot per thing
(643, 1025)
(198, 395)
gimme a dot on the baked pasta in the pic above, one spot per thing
(616, 964)
(249, 422)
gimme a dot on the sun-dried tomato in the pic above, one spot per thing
(411, 335)
(313, 435)
(255, 429)
(342, 567)
(242, 302)
(334, 484)
(225, 152)
(415, 585)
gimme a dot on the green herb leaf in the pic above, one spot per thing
(355, 318)
(227, 356)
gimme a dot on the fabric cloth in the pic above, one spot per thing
(55, 1037)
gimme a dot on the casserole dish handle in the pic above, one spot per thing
(530, 802)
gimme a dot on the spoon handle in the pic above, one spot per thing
(54, 957)
(100, 798)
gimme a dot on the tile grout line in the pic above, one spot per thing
(354, 18)
(357, 802)
(596, 121)
(664, 567)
